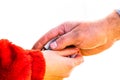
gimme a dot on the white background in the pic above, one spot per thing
(24, 21)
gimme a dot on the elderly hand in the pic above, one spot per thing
(90, 37)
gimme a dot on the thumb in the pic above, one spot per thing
(64, 41)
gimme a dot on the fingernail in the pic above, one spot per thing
(53, 45)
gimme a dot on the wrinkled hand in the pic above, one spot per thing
(89, 37)
(58, 66)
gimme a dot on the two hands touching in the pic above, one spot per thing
(88, 38)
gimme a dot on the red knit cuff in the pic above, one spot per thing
(19, 64)
(38, 65)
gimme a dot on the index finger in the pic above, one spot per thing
(59, 30)
(47, 37)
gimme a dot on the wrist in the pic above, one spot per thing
(113, 21)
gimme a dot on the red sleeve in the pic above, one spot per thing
(19, 64)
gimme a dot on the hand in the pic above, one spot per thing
(58, 66)
(90, 37)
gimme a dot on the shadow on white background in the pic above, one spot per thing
(23, 22)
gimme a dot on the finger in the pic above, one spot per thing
(68, 51)
(59, 30)
(88, 52)
(77, 60)
(47, 37)
(68, 39)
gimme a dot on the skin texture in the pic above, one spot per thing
(58, 65)
(90, 37)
